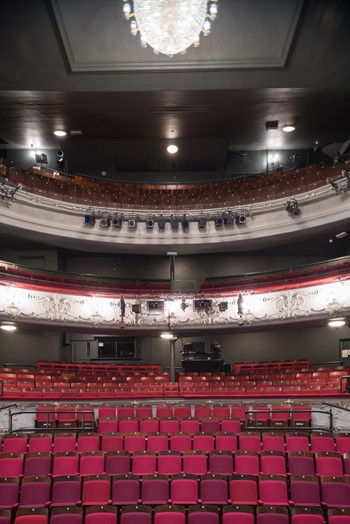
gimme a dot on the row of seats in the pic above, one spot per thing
(270, 365)
(171, 418)
(178, 441)
(177, 514)
(230, 192)
(171, 390)
(251, 381)
(72, 490)
(174, 462)
(48, 365)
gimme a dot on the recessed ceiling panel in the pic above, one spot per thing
(246, 34)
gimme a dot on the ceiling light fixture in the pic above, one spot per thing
(288, 128)
(167, 336)
(172, 149)
(336, 322)
(59, 133)
(170, 26)
(8, 327)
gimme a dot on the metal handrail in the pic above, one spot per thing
(291, 412)
(336, 406)
(47, 413)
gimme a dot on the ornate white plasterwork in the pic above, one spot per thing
(62, 310)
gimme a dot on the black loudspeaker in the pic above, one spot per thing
(41, 158)
(155, 305)
(136, 308)
(202, 304)
(223, 306)
(227, 368)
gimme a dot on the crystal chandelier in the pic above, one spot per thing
(170, 26)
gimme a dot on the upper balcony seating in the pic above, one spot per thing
(90, 192)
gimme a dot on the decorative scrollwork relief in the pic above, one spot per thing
(258, 309)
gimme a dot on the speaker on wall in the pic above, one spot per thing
(154, 305)
(202, 304)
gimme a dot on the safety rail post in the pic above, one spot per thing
(347, 377)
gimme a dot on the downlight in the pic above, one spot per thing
(8, 327)
(337, 322)
(167, 336)
(172, 149)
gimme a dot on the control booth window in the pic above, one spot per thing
(118, 348)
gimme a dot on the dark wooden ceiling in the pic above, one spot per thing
(75, 65)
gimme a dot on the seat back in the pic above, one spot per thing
(118, 463)
(65, 463)
(96, 490)
(125, 489)
(9, 492)
(238, 514)
(155, 489)
(301, 463)
(214, 489)
(184, 489)
(139, 514)
(157, 442)
(101, 514)
(173, 514)
(203, 515)
(144, 463)
(273, 489)
(37, 464)
(272, 515)
(244, 489)
(31, 516)
(305, 490)
(35, 491)
(66, 515)
(195, 462)
(66, 490)
(247, 463)
(169, 462)
(220, 462)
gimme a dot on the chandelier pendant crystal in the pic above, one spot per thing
(170, 26)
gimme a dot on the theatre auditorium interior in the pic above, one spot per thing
(175, 262)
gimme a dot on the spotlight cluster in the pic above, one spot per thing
(292, 207)
(106, 219)
(340, 184)
(8, 189)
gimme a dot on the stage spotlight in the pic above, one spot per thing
(117, 221)
(132, 223)
(292, 207)
(105, 222)
(202, 223)
(185, 223)
(174, 222)
(161, 223)
(89, 218)
(61, 165)
(229, 220)
(150, 223)
(240, 219)
(219, 221)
